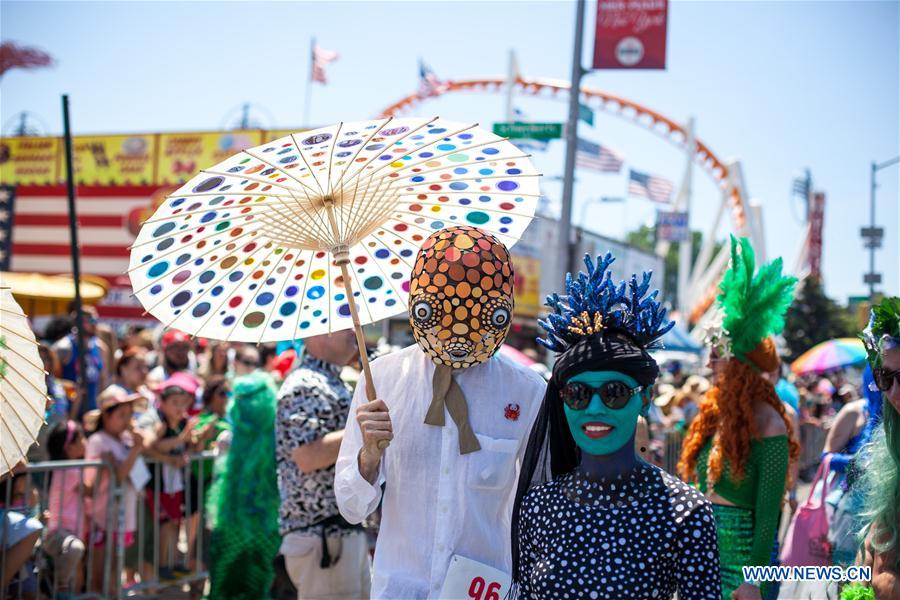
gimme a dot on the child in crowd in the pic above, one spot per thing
(174, 438)
(65, 525)
(115, 441)
(18, 533)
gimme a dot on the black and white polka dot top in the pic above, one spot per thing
(644, 534)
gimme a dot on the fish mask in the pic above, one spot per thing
(461, 296)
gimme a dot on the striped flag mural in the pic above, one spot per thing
(108, 219)
(651, 187)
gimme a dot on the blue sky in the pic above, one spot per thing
(779, 85)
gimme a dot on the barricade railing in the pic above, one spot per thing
(166, 548)
(672, 440)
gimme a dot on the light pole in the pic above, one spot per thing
(566, 260)
(589, 201)
(873, 234)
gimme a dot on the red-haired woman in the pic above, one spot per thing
(741, 443)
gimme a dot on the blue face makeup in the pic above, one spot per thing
(598, 429)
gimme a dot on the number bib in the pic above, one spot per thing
(471, 579)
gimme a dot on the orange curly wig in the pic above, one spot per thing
(726, 409)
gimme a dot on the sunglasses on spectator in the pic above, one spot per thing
(884, 379)
(614, 394)
(248, 362)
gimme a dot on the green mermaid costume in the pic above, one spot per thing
(747, 530)
(244, 497)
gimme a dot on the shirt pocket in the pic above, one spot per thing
(492, 467)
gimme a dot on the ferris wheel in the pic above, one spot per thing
(698, 282)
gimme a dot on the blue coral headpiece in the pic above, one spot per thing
(593, 303)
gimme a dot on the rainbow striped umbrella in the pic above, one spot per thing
(833, 354)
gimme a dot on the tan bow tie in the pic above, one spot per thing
(445, 391)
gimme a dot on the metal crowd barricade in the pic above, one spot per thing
(812, 442)
(190, 543)
(38, 578)
(672, 439)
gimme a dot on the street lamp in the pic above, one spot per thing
(589, 201)
(873, 234)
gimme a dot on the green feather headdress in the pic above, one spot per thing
(752, 305)
(883, 330)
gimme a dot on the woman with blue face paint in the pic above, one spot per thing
(591, 519)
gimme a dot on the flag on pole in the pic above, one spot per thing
(649, 186)
(429, 83)
(590, 155)
(321, 59)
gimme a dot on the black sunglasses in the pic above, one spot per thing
(884, 379)
(614, 394)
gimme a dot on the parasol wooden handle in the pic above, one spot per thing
(360, 339)
(342, 259)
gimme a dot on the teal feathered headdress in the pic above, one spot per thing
(883, 331)
(752, 305)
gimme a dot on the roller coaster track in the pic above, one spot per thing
(627, 110)
(609, 103)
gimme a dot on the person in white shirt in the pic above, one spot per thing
(448, 483)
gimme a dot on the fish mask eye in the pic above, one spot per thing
(422, 311)
(500, 317)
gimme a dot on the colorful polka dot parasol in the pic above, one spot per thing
(267, 245)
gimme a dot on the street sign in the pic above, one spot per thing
(672, 226)
(530, 131)
(872, 278)
(872, 232)
(585, 114)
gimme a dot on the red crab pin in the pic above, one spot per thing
(511, 412)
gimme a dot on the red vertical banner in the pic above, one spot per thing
(816, 221)
(631, 34)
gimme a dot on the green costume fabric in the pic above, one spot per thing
(220, 426)
(734, 533)
(760, 491)
(244, 497)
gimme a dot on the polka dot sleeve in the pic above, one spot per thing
(772, 473)
(697, 572)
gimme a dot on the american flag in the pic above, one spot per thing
(429, 83)
(589, 155)
(649, 186)
(108, 219)
(7, 206)
(320, 59)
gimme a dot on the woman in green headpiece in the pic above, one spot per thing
(741, 443)
(881, 476)
(244, 497)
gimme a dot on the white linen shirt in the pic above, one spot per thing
(438, 503)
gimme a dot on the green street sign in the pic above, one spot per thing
(585, 114)
(529, 131)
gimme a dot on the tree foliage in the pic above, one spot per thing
(814, 317)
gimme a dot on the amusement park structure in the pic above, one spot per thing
(698, 282)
